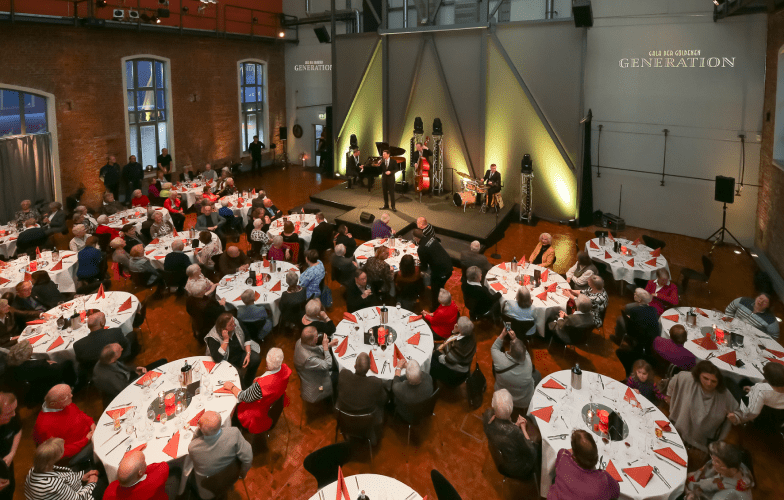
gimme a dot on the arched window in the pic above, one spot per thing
(253, 102)
(22, 113)
(146, 84)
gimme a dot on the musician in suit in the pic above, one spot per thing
(354, 168)
(388, 169)
(492, 180)
(423, 152)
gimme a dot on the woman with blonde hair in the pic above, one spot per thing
(544, 253)
(47, 481)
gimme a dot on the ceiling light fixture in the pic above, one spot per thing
(281, 34)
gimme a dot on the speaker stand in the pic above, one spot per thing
(720, 232)
(496, 255)
(285, 155)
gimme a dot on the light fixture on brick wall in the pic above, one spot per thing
(118, 14)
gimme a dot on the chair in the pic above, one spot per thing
(274, 413)
(141, 314)
(323, 463)
(691, 274)
(140, 279)
(653, 242)
(576, 336)
(599, 234)
(417, 412)
(356, 426)
(519, 327)
(254, 328)
(294, 247)
(498, 460)
(173, 279)
(220, 483)
(104, 239)
(444, 489)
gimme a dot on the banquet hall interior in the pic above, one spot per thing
(564, 215)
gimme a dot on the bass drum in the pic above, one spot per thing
(465, 198)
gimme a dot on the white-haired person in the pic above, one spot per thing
(518, 443)
(27, 212)
(278, 251)
(343, 267)
(138, 481)
(80, 238)
(544, 253)
(176, 212)
(451, 362)
(521, 309)
(160, 227)
(260, 240)
(473, 257)
(569, 325)
(138, 263)
(250, 312)
(316, 317)
(514, 369)
(88, 220)
(410, 389)
(256, 400)
(598, 296)
(724, 476)
(48, 481)
(197, 281)
(119, 255)
(165, 190)
(381, 227)
(103, 227)
(138, 200)
(635, 330)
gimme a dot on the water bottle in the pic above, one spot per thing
(577, 377)
(514, 264)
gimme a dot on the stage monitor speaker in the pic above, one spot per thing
(582, 13)
(369, 23)
(366, 217)
(725, 189)
(284, 133)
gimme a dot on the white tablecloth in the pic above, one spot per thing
(568, 416)
(118, 220)
(399, 322)
(157, 252)
(109, 305)
(307, 224)
(190, 192)
(239, 209)
(134, 395)
(752, 353)
(619, 264)
(375, 486)
(401, 247)
(65, 278)
(8, 240)
(232, 286)
(556, 301)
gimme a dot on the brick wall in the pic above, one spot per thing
(82, 68)
(769, 235)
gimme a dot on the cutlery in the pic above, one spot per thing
(110, 437)
(671, 442)
(545, 395)
(409, 497)
(658, 473)
(630, 481)
(558, 436)
(417, 348)
(602, 381)
(357, 481)
(121, 405)
(601, 462)
(118, 444)
(350, 356)
(667, 461)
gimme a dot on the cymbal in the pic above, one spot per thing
(461, 174)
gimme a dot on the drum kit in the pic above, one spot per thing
(471, 188)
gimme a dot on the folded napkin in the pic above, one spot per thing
(526, 280)
(593, 245)
(222, 390)
(125, 305)
(552, 384)
(66, 255)
(275, 287)
(141, 447)
(208, 365)
(652, 262)
(37, 322)
(700, 312)
(341, 486)
(411, 319)
(3, 281)
(640, 474)
(730, 358)
(665, 425)
(382, 241)
(398, 356)
(611, 470)
(35, 339)
(672, 317)
(778, 354)
(630, 262)
(154, 242)
(378, 310)
(229, 205)
(195, 420)
(542, 296)
(373, 366)
(669, 453)
(727, 319)
(173, 445)
(630, 396)
(101, 294)
(152, 376)
(637, 241)
(28, 277)
(361, 257)
(502, 265)
(543, 413)
(118, 412)
(349, 317)
(552, 287)
(312, 226)
(159, 257)
(607, 255)
(56, 343)
(706, 343)
(656, 252)
(545, 274)
(342, 347)
(58, 266)
(414, 339)
(498, 287)
(265, 263)
(774, 360)
(12, 238)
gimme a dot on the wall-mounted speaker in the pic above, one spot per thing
(725, 189)
(284, 133)
(582, 13)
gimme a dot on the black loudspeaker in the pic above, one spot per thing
(322, 34)
(284, 133)
(725, 189)
(582, 13)
(369, 23)
(526, 166)
(366, 218)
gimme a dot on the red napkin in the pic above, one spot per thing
(159, 257)
(222, 390)
(240, 201)
(411, 319)
(656, 252)
(727, 319)
(174, 232)
(545, 274)
(669, 453)
(498, 287)
(552, 287)
(33, 340)
(28, 277)
(312, 226)
(152, 376)
(526, 280)
(706, 343)
(361, 257)
(774, 360)
(552, 384)
(349, 317)
(542, 296)
(593, 245)
(173, 444)
(414, 339)
(378, 310)
(543, 413)
(700, 311)
(652, 262)
(637, 241)
(607, 255)
(208, 365)
(629, 396)
(502, 265)
(195, 420)
(154, 242)
(672, 317)
(3, 281)
(56, 343)
(265, 263)
(118, 412)
(373, 363)
(229, 205)
(141, 447)
(640, 474)
(58, 266)
(341, 350)
(296, 227)
(729, 358)
(13, 238)
(631, 262)
(37, 322)
(665, 426)
(148, 252)
(398, 356)
(37, 253)
(125, 305)
(276, 287)
(610, 236)
(101, 294)
(611, 470)
(342, 488)
(382, 241)
(778, 354)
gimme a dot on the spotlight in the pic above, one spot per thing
(281, 34)
(118, 14)
(353, 141)
(101, 3)
(527, 166)
(437, 130)
(156, 20)
(133, 15)
(419, 127)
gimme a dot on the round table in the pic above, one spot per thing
(8, 237)
(119, 307)
(190, 192)
(400, 322)
(753, 353)
(159, 248)
(307, 224)
(398, 248)
(239, 209)
(62, 272)
(232, 286)
(560, 411)
(620, 265)
(375, 486)
(501, 279)
(136, 216)
(110, 446)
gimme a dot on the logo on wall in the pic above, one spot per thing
(676, 59)
(313, 66)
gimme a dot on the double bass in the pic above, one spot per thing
(422, 170)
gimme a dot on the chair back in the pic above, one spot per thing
(360, 426)
(444, 489)
(707, 266)
(653, 242)
(416, 412)
(323, 463)
(220, 483)
(275, 411)
(140, 278)
(253, 328)
(294, 247)
(521, 327)
(104, 239)
(141, 314)
(172, 278)
(215, 258)
(579, 335)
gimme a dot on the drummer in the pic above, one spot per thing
(492, 181)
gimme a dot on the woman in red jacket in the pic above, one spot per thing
(444, 319)
(663, 291)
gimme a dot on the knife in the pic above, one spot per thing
(118, 444)
(545, 395)
(630, 481)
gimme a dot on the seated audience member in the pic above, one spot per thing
(209, 221)
(54, 220)
(358, 294)
(138, 263)
(207, 250)
(165, 190)
(41, 374)
(699, 404)
(567, 325)
(544, 253)
(260, 240)
(443, 320)
(427, 229)
(359, 394)
(31, 237)
(148, 223)
(521, 309)
(139, 200)
(278, 251)
(10, 437)
(110, 206)
(131, 237)
(755, 312)
(45, 291)
(88, 220)
(342, 267)
(344, 238)
(290, 236)
(26, 308)
(227, 341)
(768, 393)
(451, 363)
(120, 255)
(209, 173)
(478, 299)
(216, 448)
(60, 418)
(582, 270)
(160, 227)
(519, 444)
(251, 312)
(641, 380)
(292, 301)
(176, 261)
(110, 375)
(321, 240)
(228, 188)
(206, 194)
(641, 325)
(379, 273)
(472, 257)
(48, 481)
(8, 330)
(80, 238)
(415, 387)
(203, 309)
(724, 476)
(317, 318)
(381, 228)
(228, 214)
(197, 281)
(408, 283)
(271, 210)
(663, 291)
(27, 212)
(672, 351)
(576, 475)
(176, 212)
(103, 227)
(232, 261)
(313, 362)
(598, 296)
(138, 481)
(311, 278)
(88, 349)
(256, 400)
(514, 369)
(154, 189)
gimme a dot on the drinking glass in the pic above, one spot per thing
(146, 386)
(151, 416)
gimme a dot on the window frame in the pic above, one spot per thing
(22, 122)
(263, 123)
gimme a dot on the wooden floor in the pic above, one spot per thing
(452, 441)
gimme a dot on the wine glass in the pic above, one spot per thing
(146, 385)
(151, 416)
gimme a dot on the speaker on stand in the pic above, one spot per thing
(725, 193)
(284, 135)
(582, 13)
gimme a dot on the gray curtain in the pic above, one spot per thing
(25, 171)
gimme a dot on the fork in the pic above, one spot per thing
(545, 395)
(666, 462)
(658, 473)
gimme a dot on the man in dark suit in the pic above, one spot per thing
(24, 307)
(111, 376)
(209, 221)
(566, 326)
(133, 173)
(472, 257)
(31, 237)
(110, 174)
(639, 326)
(354, 169)
(255, 148)
(432, 256)
(177, 262)
(478, 299)
(54, 221)
(88, 350)
(322, 235)
(357, 295)
(415, 387)
(271, 210)
(388, 169)
(359, 394)
(343, 268)
(492, 180)
(344, 238)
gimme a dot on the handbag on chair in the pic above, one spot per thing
(476, 384)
